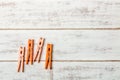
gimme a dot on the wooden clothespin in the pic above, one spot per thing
(39, 49)
(48, 61)
(30, 51)
(21, 58)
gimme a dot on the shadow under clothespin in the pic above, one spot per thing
(21, 59)
(39, 49)
(30, 51)
(48, 61)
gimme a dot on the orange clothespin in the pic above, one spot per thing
(30, 51)
(21, 58)
(48, 61)
(39, 49)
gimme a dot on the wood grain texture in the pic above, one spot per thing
(82, 50)
(59, 14)
(68, 45)
(62, 71)
(86, 71)
(32, 72)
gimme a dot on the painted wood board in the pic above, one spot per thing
(68, 45)
(59, 14)
(62, 71)
(8, 70)
(86, 71)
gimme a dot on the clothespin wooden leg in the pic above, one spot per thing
(48, 61)
(39, 57)
(50, 56)
(19, 64)
(37, 52)
(23, 65)
(23, 59)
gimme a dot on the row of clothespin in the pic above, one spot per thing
(30, 54)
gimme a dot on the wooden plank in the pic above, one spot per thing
(8, 71)
(62, 71)
(59, 14)
(68, 45)
(86, 71)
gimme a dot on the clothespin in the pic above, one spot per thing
(21, 58)
(30, 51)
(39, 49)
(48, 61)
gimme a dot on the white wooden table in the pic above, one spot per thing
(85, 34)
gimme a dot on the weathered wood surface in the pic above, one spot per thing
(86, 71)
(59, 14)
(62, 71)
(68, 45)
(82, 50)
(8, 71)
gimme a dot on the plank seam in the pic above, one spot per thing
(59, 28)
(69, 60)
